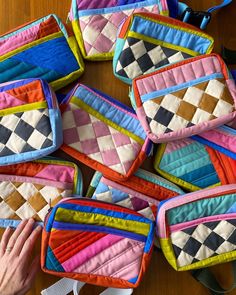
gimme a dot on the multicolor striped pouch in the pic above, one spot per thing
(142, 192)
(103, 133)
(194, 165)
(45, 49)
(30, 121)
(186, 98)
(147, 41)
(96, 242)
(199, 229)
(30, 189)
(95, 23)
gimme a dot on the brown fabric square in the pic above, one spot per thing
(202, 86)
(14, 200)
(180, 93)
(226, 96)
(37, 202)
(56, 200)
(39, 186)
(208, 103)
(158, 100)
(186, 110)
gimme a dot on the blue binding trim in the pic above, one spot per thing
(4, 223)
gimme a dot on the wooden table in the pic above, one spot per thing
(160, 278)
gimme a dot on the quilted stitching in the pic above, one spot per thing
(24, 132)
(97, 140)
(100, 31)
(25, 200)
(190, 106)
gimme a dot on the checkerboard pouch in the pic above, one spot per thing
(186, 98)
(198, 230)
(43, 48)
(142, 192)
(30, 121)
(97, 243)
(95, 23)
(194, 165)
(103, 133)
(147, 41)
(30, 189)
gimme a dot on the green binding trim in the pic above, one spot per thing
(207, 279)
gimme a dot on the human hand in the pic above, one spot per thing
(16, 273)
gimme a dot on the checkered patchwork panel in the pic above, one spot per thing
(24, 200)
(100, 142)
(111, 195)
(100, 31)
(203, 241)
(139, 57)
(25, 132)
(189, 106)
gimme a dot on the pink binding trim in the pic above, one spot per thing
(188, 198)
(185, 225)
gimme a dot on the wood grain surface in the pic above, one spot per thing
(160, 278)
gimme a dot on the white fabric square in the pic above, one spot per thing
(77, 146)
(105, 143)
(224, 229)
(97, 157)
(49, 193)
(225, 247)
(6, 188)
(193, 95)
(133, 70)
(27, 190)
(25, 211)
(147, 212)
(1, 147)
(176, 57)
(118, 66)
(157, 128)
(33, 117)
(125, 203)
(93, 50)
(10, 121)
(222, 108)
(179, 238)
(90, 35)
(106, 197)
(86, 132)
(5, 210)
(215, 88)
(184, 259)
(110, 31)
(113, 130)
(126, 153)
(156, 55)
(68, 120)
(66, 193)
(15, 143)
(118, 168)
(200, 116)
(203, 253)
(36, 139)
(171, 103)
(201, 233)
(138, 49)
(43, 212)
(151, 108)
(177, 123)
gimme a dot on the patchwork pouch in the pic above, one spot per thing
(30, 189)
(30, 121)
(45, 49)
(142, 192)
(147, 41)
(103, 133)
(199, 229)
(222, 139)
(185, 98)
(96, 23)
(194, 165)
(97, 243)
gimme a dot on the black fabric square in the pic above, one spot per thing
(23, 130)
(149, 46)
(145, 63)
(43, 126)
(19, 115)
(169, 52)
(232, 221)
(189, 230)
(132, 41)
(232, 238)
(213, 241)
(6, 152)
(47, 143)
(126, 57)
(27, 148)
(168, 130)
(177, 250)
(163, 116)
(122, 73)
(162, 63)
(211, 225)
(192, 246)
(185, 55)
(5, 134)
(190, 124)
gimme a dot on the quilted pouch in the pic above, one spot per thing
(103, 133)
(147, 41)
(45, 49)
(186, 98)
(96, 242)
(199, 229)
(222, 139)
(142, 192)
(96, 23)
(30, 121)
(194, 165)
(30, 189)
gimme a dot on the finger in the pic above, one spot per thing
(5, 238)
(32, 271)
(30, 242)
(16, 233)
(23, 236)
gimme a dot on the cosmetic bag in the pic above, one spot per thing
(97, 243)
(147, 41)
(222, 139)
(186, 98)
(103, 133)
(43, 48)
(30, 121)
(30, 189)
(96, 23)
(198, 229)
(142, 192)
(194, 165)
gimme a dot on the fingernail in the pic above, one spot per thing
(31, 220)
(39, 228)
